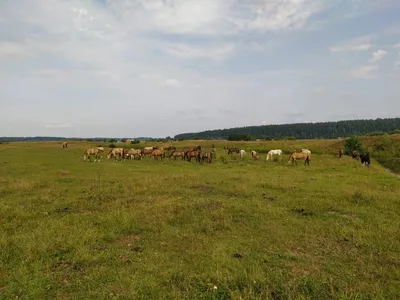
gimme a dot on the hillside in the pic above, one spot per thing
(302, 130)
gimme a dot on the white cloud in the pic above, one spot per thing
(364, 72)
(215, 52)
(357, 44)
(174, 83)
(13, 50)
(378, 55)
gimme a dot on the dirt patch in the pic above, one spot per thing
(237, 255)
(212, 206)
(63, 173)
(302, 211)
(202, 187)
(128, 240)
(63, 210)
(268, 197)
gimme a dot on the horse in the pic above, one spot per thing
(157, 153)
(133, 153)
(254, 155)
(176, 154)
(147, 150)
(65, 145)
(299, 155)
(307, 152)
(274, 152)
(207, 156)
(170, 148)
(93, 151)
(365, 159)
(197, 148)
(242, 153)
(232, 150)
(340, 154)
(116, 152)
(196, 154)
(355, 154)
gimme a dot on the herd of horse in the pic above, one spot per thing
(189, 153)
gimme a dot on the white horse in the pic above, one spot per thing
(274, 152)
(242, 153)
(306, 151)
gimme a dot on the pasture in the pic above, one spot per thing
(232, 229)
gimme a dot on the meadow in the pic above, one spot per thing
(234, 229)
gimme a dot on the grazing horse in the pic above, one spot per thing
(65, 145)
(307, 152)
(299, 155)
(147, 150)
(242, 153)
(197, 148)
(274, 152)
(196, 154)
(176, 154)
(93, 151)
(355, 154)
(133, 153)
(254, 155)
(233, 150)
(207, 156)
(365, 159)
(170, 148)
(157, 153)
(116, 152)
(340, 153)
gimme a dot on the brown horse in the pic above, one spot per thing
(197, 148)
(157, 153)
(196, 154)
(207, 156)
(148, 150)
(340, 154)
(93, 151)
(65, 145)
(233, 150)
(176, 154)
(355, 154)
(116, 152)
(170, 148)
(299, 155)
(133, 153)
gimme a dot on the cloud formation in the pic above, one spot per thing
(107, 67)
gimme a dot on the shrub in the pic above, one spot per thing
(351, 144)
(111, 146)
(135, 142)
(396, 131)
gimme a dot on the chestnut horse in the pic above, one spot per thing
(299, 155)
(196, 154)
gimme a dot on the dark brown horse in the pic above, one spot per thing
(233, 150)
(170, 148)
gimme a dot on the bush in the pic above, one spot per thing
(112, 146)
(112, 140)
(351, 144)
(376, 133)
(396, 131)
(135, 142)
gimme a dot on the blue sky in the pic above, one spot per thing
(162, 67)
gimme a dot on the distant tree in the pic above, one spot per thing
(376, 133)
(124, 140)
(240, 137)
(135, 142)
(396, 131)
(351, 144)
(112, 140)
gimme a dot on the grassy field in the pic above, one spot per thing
(178, 230)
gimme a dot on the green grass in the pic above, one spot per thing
(178, 230)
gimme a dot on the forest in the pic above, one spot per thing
(301, 130)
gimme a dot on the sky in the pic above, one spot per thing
(130, 68)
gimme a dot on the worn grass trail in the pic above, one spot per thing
(176, 230)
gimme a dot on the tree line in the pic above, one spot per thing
(326, 130)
